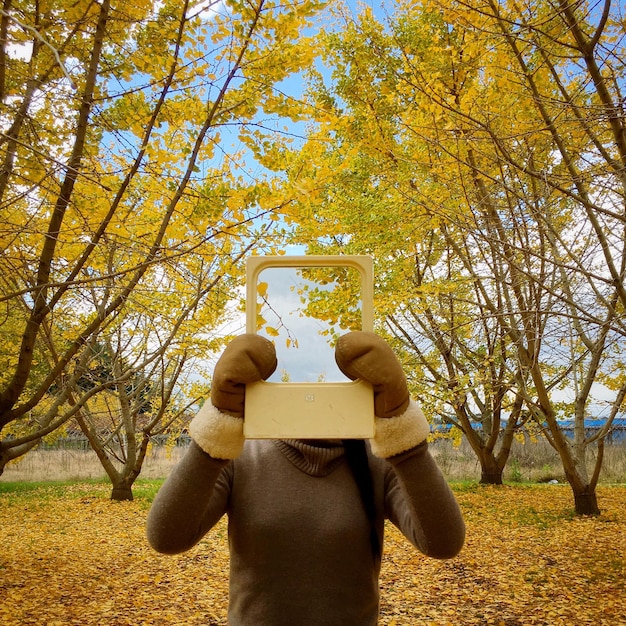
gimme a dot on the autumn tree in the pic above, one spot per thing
(455, 145)
(122, 421)
(127, 169)
(569, 166)
(368, 192)
(152, 367)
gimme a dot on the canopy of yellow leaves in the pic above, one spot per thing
(73, 557)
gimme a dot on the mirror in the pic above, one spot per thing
(303, 311)
(303, 304)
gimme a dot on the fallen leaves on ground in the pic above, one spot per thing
(71, 556)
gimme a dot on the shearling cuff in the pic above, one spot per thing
(393, 435)
(220, 435)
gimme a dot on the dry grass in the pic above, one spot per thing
(529, 462)
(72, 464)
(536, 462)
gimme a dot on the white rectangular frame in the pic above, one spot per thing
(338, 410)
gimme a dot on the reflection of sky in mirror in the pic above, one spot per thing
(313, 360)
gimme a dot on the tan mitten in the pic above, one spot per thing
(218, 426)
(400, 423)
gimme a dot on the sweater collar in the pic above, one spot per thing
(316, 457)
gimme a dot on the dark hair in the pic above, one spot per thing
(356, 455)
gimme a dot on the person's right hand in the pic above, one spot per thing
(247, 359)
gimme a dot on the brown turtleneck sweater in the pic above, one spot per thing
(298, 535)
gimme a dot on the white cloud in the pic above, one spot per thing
(20, 51)
(207, 9)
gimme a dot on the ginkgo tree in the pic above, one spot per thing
(561, 176)
(127, 166)
(454, 144)
(152, 364)
(389, 198)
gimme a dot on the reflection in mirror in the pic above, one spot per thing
(303, 311)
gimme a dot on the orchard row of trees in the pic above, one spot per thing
(476, 149)
(127, 205)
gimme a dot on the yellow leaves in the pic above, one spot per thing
(74, 557)
(80, 559)
(261, 289)
(516, 568)
(262, 324)
(291, 343)
(185, 199)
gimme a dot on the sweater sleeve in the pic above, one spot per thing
(420, 503)
(191, 501)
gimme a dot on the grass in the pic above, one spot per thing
(144, 488)
(81, 465)
(41, 487)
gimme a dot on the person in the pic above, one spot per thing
(306, 517)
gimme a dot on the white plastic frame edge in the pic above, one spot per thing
(363, 263)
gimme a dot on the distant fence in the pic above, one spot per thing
(617, 433)
(77, 441)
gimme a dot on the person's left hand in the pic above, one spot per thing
(367, 356)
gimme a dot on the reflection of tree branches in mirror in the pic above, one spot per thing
(332, 295)
(295, 309)
(272, 331)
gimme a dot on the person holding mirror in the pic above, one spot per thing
(306, 517)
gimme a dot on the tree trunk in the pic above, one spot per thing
(490, 478)
(490, 468)
(586, 503)
(123, 483)
(122, 492)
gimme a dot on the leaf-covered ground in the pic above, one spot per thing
(70, 556)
